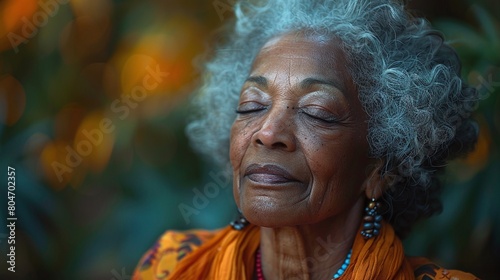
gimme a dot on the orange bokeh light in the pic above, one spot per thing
(12, 13)
(13, 98)
(51, 159)
(94, 141)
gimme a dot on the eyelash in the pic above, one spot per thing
(329, 120)
(243, 112)
(253, 108)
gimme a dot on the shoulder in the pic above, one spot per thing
(427, 270)
(167, 251)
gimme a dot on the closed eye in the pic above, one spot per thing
(242, 112)
(250, 107)
(321, 115)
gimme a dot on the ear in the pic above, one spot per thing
(375, 185)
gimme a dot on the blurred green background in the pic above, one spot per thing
(65, 66)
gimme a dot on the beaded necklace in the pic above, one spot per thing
(260, 275)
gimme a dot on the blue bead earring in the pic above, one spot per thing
(372, 221)
(240, 223)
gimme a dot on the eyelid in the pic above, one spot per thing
(252, 90)
(249, 107)
(252, 99)
(320, 113)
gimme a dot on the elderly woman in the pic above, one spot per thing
(343, 114)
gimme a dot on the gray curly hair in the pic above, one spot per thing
(408, 81)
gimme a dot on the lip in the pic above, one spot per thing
(268, 174)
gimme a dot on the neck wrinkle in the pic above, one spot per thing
(310, 251)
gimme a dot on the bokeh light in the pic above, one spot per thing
(13, 99)
(14, 15)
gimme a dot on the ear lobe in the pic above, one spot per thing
(375, 184)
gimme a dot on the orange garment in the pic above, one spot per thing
(230, 254)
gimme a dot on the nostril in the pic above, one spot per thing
(259, 142)
(279, 145)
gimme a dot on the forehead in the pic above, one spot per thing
(301, 55)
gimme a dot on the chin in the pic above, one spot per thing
(270, 215)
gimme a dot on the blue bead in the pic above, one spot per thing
(377, 225)
(344, 266)
(368, 225)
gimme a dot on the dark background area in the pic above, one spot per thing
(67, 66)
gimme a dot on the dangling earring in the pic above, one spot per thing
(372, 221)
(239, 223)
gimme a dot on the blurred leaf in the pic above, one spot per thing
(488, 25)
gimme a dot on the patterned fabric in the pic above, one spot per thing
(172, 247)
(159, 261)
(426, 270)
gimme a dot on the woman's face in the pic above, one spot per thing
(298, 145)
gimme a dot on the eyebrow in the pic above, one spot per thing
(308, 82)
(304, 84)
(261, 81)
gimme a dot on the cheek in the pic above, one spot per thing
(238, 142)
(322, 153)
(336, 164)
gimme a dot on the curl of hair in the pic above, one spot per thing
(408, 81)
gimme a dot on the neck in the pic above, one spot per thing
(311, 252)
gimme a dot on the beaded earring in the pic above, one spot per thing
(239, 223)
(372, 221)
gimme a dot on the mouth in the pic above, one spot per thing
(268, 174)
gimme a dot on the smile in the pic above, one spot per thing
(268, 174)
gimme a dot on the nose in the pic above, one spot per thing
(276, 131)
